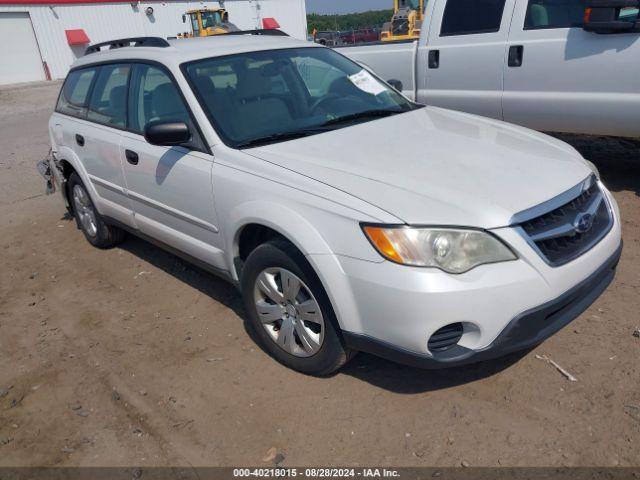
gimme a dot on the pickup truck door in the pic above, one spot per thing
(171, 188)
(461, 65)
(568, 79)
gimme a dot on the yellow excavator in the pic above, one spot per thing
(205, 22)
(406, 21)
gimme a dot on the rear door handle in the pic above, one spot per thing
(132, 157)
(80, 140)
(434, 58)
(516, 53)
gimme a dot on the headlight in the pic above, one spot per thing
(451, 250)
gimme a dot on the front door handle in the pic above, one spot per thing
(434, 58)
(132, 157)
(516, 53)
(80, 140)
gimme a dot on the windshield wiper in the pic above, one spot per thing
(306, 132)
(279, 137)
(363, 116)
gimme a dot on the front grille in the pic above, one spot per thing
(566, 232)
(445, 338)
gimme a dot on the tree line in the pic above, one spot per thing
(350, 21)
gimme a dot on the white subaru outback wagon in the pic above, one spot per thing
(350, 218)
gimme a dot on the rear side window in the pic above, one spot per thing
(554, 14)
(108, 104)
(73, 97)
(466, 17)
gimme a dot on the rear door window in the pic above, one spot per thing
(108, 104)
(467, 17)
(554, 14)
(73, 98)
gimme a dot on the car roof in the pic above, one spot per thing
(182, 50)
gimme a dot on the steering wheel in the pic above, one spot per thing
(321, 100)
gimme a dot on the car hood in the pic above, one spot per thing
(435, 166)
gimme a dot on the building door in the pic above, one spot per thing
(19, 52)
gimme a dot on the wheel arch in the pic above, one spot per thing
(71, 163)
(67, 169)
(257, 222)
(325, 266)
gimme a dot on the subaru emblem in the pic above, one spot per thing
(583, 222)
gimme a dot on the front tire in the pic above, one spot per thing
(290, 311)
(97, 232)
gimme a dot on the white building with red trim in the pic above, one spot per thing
(39, 40)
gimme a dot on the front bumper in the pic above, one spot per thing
(393, 310)
(524, 331)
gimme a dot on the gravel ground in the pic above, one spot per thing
(132, 357)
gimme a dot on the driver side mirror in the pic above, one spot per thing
(611, 16)
(167, 133)
(184, 19)
(397, 84)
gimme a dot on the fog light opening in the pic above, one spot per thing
(445, 338)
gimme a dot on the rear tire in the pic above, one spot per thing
(290, 312)
(97, 232)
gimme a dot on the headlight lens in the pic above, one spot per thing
(451, 250)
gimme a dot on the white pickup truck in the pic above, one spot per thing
(552, 65)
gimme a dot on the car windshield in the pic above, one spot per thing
(265, 97)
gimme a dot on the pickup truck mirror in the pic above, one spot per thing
(397, 84)
(167, 133)
(611, 16)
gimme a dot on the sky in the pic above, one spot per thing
(347, 6)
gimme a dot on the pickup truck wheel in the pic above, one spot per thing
(290, 311)
(96, 231)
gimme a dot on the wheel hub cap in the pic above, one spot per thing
(85, 211)
(289, 312)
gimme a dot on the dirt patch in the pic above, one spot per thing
(132, 357)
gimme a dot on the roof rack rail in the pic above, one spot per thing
(260, 31)
(128, 42)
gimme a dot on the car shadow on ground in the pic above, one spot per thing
(205, 282)
(618, 159)
(399, 378)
